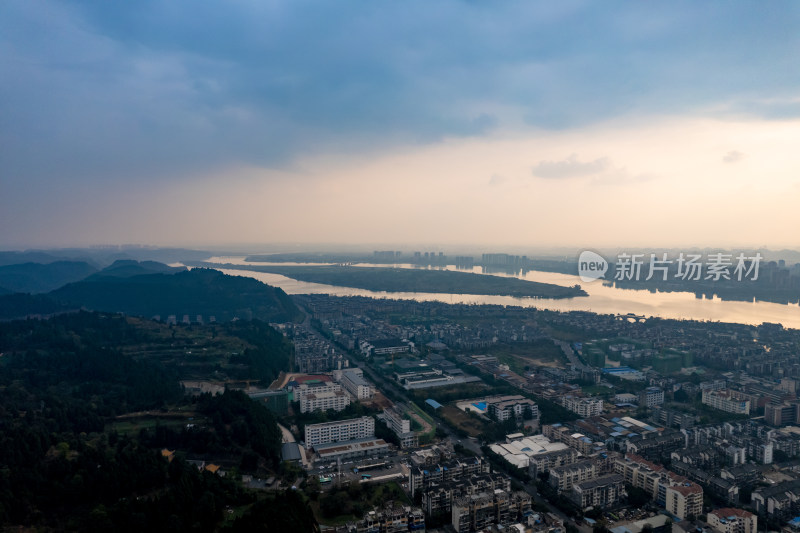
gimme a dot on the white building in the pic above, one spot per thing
(676, 494)
(341, 430)
(304, 389)
(508, 407)
(401, 426)
(684, 500)
(731, 520)
(651, 397)
(562, 478)
(322, 401)
(584, 407)
(626, 397)
(352, 379)
(727, 401)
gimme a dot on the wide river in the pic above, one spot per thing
(601, 299)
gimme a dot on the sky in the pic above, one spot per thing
(570, 123)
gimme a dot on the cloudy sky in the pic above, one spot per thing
(573, 123)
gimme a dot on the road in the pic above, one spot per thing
(571, 355)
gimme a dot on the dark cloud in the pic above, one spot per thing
(156, 89)
(571, 167)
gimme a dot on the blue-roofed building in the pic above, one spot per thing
(433, 403)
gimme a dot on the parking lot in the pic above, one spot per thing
(344, 473)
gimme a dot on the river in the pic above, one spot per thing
(601, 299)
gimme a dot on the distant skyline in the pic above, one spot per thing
(451, 124)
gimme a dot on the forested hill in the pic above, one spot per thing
(38, 278)
(20, 305)
(196, 292)
(70, 385)
(126, 268)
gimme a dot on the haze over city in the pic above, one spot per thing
(526, 124)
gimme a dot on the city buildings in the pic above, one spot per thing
(351, 449)
(584, 407)
(726, 400)
(599, 492)
(476, 512)
(342, 430)
(423, 476)
(782, 414)
(676, 494)
(651, 397)
(731, 520)
(392, 518)
(400, 424)
(507, 407)
(320, 396)
(438, 497)
(322, 401)
(382, 347)
(684, 500)
(352, 379)
(562, 478)
(780, 501)
(521, 451)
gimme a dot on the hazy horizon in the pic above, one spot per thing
(407, 250)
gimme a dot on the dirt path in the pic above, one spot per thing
(287, 435)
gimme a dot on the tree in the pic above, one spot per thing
(637, 497)
(313, 487)
(600, 528)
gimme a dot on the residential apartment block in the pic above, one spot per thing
(675, 493)
(651, 397)
(598, 492)
(392, 518)
(507, 407)
(726, 400)
(563, 478)
(477, 512)
(731, 520)
(584, 407)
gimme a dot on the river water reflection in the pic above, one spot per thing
(600, 299)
